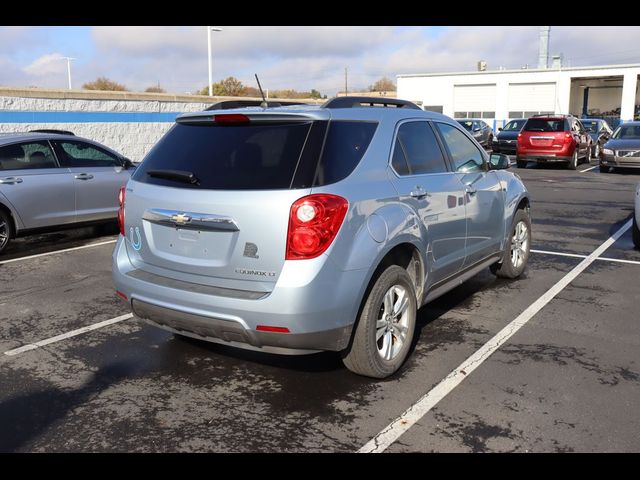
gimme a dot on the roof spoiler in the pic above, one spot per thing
(229, 104)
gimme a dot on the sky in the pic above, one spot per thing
(298, 57)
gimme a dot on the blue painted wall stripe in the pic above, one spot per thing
(86, 117)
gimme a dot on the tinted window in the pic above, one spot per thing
(246, 157)
(399, 160)
(467, 124)
(421, 149)
(259, 156)
(80, 154)
(344, 147)
(627, 131)
(591, 126)
(545, 125)
(514, 125)
(26, 156)
(466, 157)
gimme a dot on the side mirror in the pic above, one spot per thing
(499, 161)
(477, 129)
(499, 129)
(126, 163)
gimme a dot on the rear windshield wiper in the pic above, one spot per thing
(177, 175)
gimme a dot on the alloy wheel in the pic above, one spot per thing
(4, 233)
(519, 244)
(392, 323)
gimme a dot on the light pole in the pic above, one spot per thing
(68, 59)
(209, 30)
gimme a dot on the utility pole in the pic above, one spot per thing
(346, 90)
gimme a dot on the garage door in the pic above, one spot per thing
(532, 97)
(474, 101)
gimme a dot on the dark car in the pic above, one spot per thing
(553, 138)
(599, 131)
(623, 149)
(507, 139)
(482, 132)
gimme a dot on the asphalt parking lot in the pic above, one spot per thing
(567, 380)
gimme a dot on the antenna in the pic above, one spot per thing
(264, 103)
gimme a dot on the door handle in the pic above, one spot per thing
(10, 180)
(419, 192)
(84, 176)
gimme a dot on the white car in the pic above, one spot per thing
(636, 219)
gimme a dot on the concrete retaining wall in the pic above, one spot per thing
(130, 123)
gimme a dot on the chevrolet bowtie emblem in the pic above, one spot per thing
(181, 218)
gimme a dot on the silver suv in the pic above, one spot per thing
(56, 180)
(299, 229)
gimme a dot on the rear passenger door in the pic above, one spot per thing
(97, 176)
(484, 196)
(425, 183)
(40, 191)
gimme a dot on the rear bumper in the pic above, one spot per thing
(530, 157)
(315, 300)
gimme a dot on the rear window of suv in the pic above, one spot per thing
(258, 156)
(545, 125)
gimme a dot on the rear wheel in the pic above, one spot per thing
(385, 329)
(635, 232)
(516, 252)
(5, 230)
(573, 163)
(588, 155)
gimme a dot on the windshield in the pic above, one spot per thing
(467, 124)
(514, 126)
(591, 126)
(545, 125)
(631, 132)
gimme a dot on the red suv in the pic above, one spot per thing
(553, 138)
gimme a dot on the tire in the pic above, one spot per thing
(588, 155)
(604, 169)
(521, 163)
(6, 230)
(512, 265)
(573, 163)
(368, 355)
(635, 232)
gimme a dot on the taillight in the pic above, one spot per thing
(568, 138)
(519, 138)
(121, 195)
(314, 222)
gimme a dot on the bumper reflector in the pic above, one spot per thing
(267, 328)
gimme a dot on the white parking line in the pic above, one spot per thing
(58, 251)
(413, 414)
(587, 169)
(574, 255)
(72, 333)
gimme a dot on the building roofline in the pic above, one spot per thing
(519, 70)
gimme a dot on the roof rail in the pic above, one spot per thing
(229, 104)
(51, 130)
(356, 102)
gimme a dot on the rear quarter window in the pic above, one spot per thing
(344, 147)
